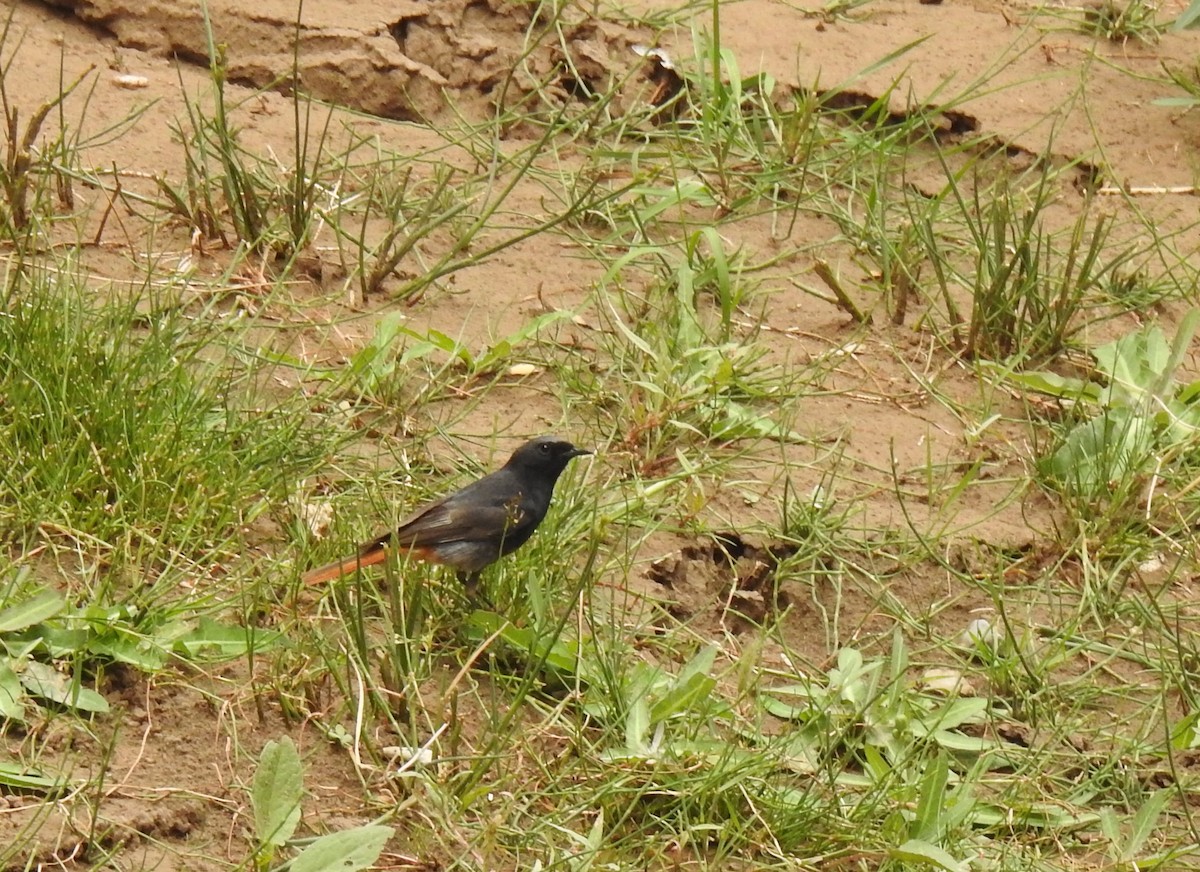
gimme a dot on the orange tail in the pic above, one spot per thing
(376, 554)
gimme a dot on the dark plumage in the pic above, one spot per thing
(476, 526)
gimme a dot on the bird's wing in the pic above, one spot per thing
(464, 518)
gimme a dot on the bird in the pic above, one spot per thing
(472, 528)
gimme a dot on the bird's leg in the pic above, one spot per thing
(470, 583)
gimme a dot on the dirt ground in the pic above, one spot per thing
(175, 791)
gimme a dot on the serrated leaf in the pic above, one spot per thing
(1110, 826)
(345, 851)
(1145, 822)
(277, 791)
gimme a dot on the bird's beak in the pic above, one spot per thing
(579, 452)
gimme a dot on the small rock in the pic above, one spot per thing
(951, 682)
(981, 633)
(130, 81)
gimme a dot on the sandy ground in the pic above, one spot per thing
(1040, 90)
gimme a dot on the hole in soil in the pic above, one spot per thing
(399, 32)
(960, 122)
(576, 87)
(728, 548)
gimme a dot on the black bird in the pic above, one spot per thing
(476, 526)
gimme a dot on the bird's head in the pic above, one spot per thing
(546, 454)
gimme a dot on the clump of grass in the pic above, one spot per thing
(677, 368)
(268, 208)
(1029, 288)
(1120, 22)
(123, 432)
(40, 150)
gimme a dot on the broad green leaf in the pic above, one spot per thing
(637, 725)
(682, 697)
(770, 701)
(1037, 815)
(1141, 366)
(800, 690)
(559, 657)
(61, 642)
(956, 712)
(38, 608)
(1180, 422)
(19, 778)
(276, 793)
(345, 851)
(638, 342)
(783, 710)
(126, 648)
(1188, 393)
(387, 329)
(1186, 19)
(926, 823)
(12, 697)
(494, 355)
(46, 682)
(1185, 735)
(214, 640)
(1054, 385)
(1145, 822)
(876, 765)
(738, 422)
(688, 332)
(701, 664)
(1107, 448)
(1180, 345)
(918, 851)
(716, 249)
(1110, 826)
(595, 838)
(953, 741)
(500, 352)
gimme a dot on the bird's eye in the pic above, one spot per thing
(545, 446)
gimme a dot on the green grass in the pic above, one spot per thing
(737, 641)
